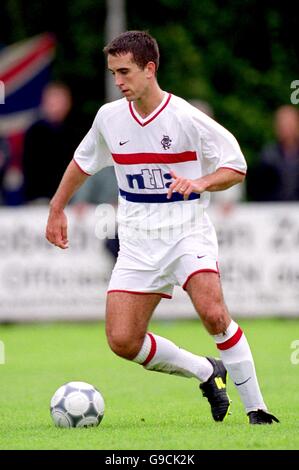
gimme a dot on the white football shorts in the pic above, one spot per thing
(155, 266)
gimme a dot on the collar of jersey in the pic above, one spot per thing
(143, 122)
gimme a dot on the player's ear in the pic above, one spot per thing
(150, 69)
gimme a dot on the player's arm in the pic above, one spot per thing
(221, 179)
(56, 231)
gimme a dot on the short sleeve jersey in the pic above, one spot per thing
(176, 136)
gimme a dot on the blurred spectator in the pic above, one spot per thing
(203, 106)
(276, 176)
(4, 159)
(49, 144)
(100, 188)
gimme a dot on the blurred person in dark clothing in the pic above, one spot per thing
(276, 177)
(49, 144)
(100, 188)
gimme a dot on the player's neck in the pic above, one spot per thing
(145, 105)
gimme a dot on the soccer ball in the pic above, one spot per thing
(77, 405)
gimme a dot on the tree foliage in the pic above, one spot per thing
(239, 55)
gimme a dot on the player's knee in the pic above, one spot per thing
(124, 345)
(216, 319)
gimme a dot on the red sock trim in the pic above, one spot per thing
(231, 341)
(152, 351)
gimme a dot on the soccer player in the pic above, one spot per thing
(168, 156)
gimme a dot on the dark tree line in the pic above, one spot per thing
(239, 55)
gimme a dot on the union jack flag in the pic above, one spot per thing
(24, 71)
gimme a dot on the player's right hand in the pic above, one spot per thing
(56, 231)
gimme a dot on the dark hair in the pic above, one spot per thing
(143, 47)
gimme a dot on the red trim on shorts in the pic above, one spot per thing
(166, 296)
(85, 173)
(231, 341)
(152, 351)
(232, 169)
(199, 271)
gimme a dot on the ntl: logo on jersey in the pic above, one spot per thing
(149, 179)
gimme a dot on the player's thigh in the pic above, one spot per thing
(205, 291)
(128, 314)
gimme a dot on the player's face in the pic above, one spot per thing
(128, 76)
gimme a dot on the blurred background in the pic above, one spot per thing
(236, 60)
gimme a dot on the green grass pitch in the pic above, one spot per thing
(144, 410)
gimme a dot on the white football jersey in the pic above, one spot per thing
(176, 136)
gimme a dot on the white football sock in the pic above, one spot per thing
(161, 355)
(237, 358)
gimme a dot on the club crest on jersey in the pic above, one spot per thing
(166, 142)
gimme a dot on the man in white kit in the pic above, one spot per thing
(167, 156)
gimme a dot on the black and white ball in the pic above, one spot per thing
(77, 405)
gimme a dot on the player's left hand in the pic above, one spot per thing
(184, 186)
